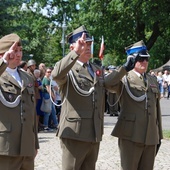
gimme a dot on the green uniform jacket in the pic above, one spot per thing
(18, 132)
(139, 121)
(82, 116)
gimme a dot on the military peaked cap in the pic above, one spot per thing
(138, 47)
(7, 41)
(77, 33)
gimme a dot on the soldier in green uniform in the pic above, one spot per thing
(82, 87)
(139, 127)
(18, 132)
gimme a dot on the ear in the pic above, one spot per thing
(71, 46)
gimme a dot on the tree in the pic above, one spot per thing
(125, 22)
(7, 8)
(120, 22)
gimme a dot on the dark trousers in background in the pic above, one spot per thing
(112, 104)
(79, 155)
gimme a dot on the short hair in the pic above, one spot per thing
(37, 71)
(22, 64)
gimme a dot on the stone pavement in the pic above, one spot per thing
(49, 156)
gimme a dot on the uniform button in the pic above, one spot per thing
(149, 114)
(24, 119)
(23, 101)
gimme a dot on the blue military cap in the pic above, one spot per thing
(138, 48)
(77, 33)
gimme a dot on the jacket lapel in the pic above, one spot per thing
(25, 80)
(135, 80)
(96, 78)
(9, 78)
(82, 72)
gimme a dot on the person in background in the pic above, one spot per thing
(31, 66)
(154, 74)
(139, 126)
(112, 100)
(18, 132)
(42, 69)
(40, 114)
(168, 82)
(23, 65)
(160, 82)
(47, 92)
(82, 89)
(165, 82)
(58, 99)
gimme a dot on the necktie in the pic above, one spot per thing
(143, 77)
(90, 70)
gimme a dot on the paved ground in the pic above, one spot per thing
(49, 156)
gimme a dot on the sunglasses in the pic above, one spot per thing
(141, 59)
(48, 71)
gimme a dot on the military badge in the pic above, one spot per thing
(10, 97)
(98, 73)
(30, 85)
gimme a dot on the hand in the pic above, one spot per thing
(10, 54)
(80, 45)
(40, 87)
(131, 61)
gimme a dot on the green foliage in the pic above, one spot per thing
(120, 22)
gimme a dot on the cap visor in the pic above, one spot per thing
(144, 54)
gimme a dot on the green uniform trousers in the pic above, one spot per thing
(136, 156)
(78, 155)
(16, 163)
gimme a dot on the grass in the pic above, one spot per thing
(166, 134)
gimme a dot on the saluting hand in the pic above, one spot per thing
(10, 54)
(80, 45)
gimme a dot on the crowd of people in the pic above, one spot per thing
(84, 89)
(163, 79)
(46, 88)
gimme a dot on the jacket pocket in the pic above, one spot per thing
(74, 124)
(30, 90)
(5, 129)
(128, 121)
(154, 90)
